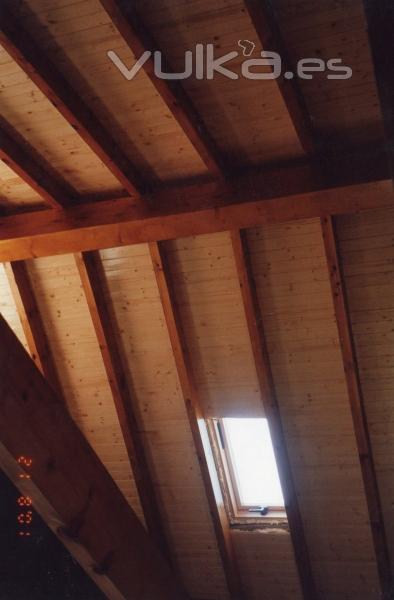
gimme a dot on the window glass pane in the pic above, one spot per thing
(253, 461)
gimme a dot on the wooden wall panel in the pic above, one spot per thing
(207, 290)
(81, 372)
(37, 120)
(293, 286)
(366, 245)
(79, 35)
(8, 309)
(267, 564)
(151, 371)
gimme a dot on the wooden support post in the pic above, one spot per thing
(32, 324)
(196, 419)
(272, 411)
(69, 486)
(357, 407)
(93, 284)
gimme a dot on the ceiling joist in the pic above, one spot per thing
(357, 406)
(69, 486)
(23, 49)
(93, 280)
(246, 202)
(195, 414)
(264, 21)
(32, 324)
(272, 411)
(133, 31)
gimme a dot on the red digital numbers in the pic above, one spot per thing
(25, 518)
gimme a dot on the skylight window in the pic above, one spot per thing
(248, 463)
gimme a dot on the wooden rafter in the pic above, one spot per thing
(130, 26)
(115, 223)
(37, 65)
(32, 324)
(264, 20)
(23, 163)
(69, 486)
(380, 19)
(272, 411)
(92, 280)
(357, 406)
(196, 418)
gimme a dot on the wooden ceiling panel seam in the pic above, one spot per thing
(272, 411)
(264, 20)
(196, 419)
(139, 40)
(356, 400)
(92, 279)
(27, 54)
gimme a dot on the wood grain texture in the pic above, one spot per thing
(357, 406)
(272, 411)
(92, 280)
(31, 320)
(242, 203)
(265, 22)
(196, 420)
(23, 49)
(366, 250)
(293, 287)
(91, 509)
(135, 34)
(151, 371)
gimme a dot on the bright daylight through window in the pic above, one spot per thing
(251, 465)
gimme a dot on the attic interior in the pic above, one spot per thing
(197, 298)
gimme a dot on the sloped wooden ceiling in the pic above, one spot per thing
(249, 125)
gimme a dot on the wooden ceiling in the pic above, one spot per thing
(173, 251)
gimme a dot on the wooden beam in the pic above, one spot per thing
(35, 62)
(114, 223)
(265, 23)
(196, 418)
(357, 407)
(18, 158)
(133, 31)
(272, 411)
(32, 324)
(380, 20)
(93, 284)
(70, 487)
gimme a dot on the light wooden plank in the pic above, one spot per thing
(197, 422)
(357, 406)
(92, 280)
(272, 412)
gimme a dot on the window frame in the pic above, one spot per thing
(237, 512)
